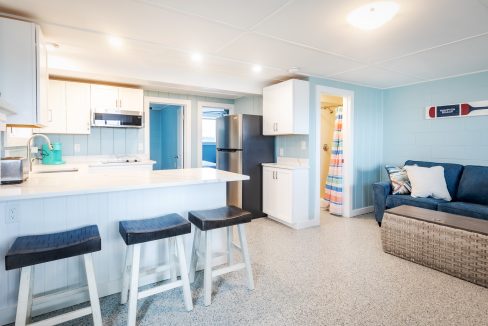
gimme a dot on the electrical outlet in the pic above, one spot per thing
(282, 151)
(77, 148)
(12, 214)
(304, 145)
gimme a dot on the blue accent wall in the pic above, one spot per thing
(163, 140)
(209, 152)
(408, 135)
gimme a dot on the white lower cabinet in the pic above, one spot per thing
(285, 195)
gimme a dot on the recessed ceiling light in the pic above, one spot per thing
(373, 15)
(115, 41)
(196, 57)
(293, 70)
(257, 68)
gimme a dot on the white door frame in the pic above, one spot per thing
(201, 105)
(348, 143)
(186, 124)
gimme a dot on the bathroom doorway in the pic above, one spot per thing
(331, 147)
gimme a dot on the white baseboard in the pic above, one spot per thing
(361, 211)
(298, 225)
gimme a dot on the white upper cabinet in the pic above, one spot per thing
(68, 109)
(131, 99)
(106, 98)
(23, 71)
(55, 114)
(286, 108)
(77, 108)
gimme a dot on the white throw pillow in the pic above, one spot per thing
(428, 182)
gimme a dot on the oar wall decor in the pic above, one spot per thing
(457, 110)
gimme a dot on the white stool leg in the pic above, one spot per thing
(245, 252)
(172, 260)
(31, 293)
(24, 293)
(126, 275)
(92, 289)
(194, 254)
(134, 284)
(184, 274)
(207, 276)
(230, 259)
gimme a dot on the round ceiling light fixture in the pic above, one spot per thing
(257, 68)
(115, 41)
(197, 57)
(373, 15)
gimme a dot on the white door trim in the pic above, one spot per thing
(186, 124)
(348, 142)
(200, 106)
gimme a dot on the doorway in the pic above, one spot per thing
(333, 179)
(208, 113)
(166, 135)
(330, 109)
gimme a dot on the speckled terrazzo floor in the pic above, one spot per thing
(335, 274)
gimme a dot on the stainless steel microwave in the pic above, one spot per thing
(118, 119)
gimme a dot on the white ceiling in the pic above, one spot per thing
(427, 40)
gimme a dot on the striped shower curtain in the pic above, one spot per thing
(333, 184)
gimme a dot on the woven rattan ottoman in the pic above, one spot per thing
(453, 244)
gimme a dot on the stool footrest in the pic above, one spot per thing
(159, 289)
(64, 318)
(228, 269)
(58, 293)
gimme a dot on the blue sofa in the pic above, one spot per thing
(467, 185)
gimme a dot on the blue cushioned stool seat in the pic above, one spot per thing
(218, 218)
(167, 226)
(37, 249)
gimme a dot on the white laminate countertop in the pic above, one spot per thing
(77, 183)
(285, 166)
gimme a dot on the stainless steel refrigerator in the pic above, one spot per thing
(241, 148)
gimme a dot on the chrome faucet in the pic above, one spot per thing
(29, 159)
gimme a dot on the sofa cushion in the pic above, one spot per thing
(452, 174)
(398, 200)
(473, 187)
(465, 209)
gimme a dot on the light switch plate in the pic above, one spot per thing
(77, 148)
(140, 147)
(282, 151)
(303, 144)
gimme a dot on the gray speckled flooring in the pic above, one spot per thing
(336, 274)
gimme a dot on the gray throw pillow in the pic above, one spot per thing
(400, 183)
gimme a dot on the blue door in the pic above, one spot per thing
(165, 129)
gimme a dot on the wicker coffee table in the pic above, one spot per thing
(453, 244)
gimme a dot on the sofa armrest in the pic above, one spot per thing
(381, 190)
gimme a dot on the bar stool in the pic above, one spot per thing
(208, 220)
(135, 232)
(28, 251)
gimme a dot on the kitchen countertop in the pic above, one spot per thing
(75, 183)
(286, 166)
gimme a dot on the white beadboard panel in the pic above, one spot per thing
(454, 140)
(105, 210)
(252, 104)
(194, 104)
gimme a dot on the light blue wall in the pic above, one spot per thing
(408, 135)
(102, 141)
(252, 104)
(194, 99)
(368, 139)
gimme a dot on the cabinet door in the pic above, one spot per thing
(104, 98)
(278, 109)
(18, 75)
(269, 191)
(77, 108)
(284, 191)
(54, 116)
(269, 115)
(131, 99)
